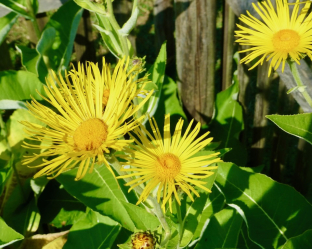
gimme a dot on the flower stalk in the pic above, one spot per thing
(294, 70)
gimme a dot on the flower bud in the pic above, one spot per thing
(143, 240)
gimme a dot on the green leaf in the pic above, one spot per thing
(59, 208)
(244, 242)
(20, 211)
(222, 230)
(302, 241)
(213, 205)
(7, 104)
(156, 75)
(227, 124)
(8, 235)
(17, 6)
(19, 85)
(123, 239)
(4, 151)
(32, 62)
(16, 135)
(299, 125)
(274, 212)
(6, 23)
(93, 229)
(100, 191)
(194, 210)
(57, 39)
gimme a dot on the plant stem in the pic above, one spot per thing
(160, 215)
(116, 27)
(156, 207)
(181, 223)
(34, 21)
(36, 28)
(295, 73)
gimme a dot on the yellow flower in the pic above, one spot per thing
(92, 110)
(168, 163)
(278, 35)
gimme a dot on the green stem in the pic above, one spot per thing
(34, 21)
(134, 5)
(116, 27)
(156, 207)
(160, 215)
(36, 28)
(181, 223)
(295, 73)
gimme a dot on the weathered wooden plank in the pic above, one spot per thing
(228, 46)
(195, 51)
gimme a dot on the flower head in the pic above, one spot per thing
(278, 35)
(92, 110)
(143, 240)
(168, 162)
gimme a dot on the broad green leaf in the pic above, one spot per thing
(123, 239)
(299, 125)
(18, 6)
(244, 242)
(274, 212)
(31, 60)
(6, 23)
(222, 230)
(156, 75)
(257, 169)
(227, 124)
(302, 241)
(7, 104)
(20, 211)
(194, 210)
(16, 136)
(19, 85)
(4, 151)
(100, 191)
(93, 229)
(59, 208)
(213, 205)
(8, 235)
(56, 43)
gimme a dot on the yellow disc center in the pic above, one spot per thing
(90, 134)
(105, 97)
(286, 40)
(168, 166)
